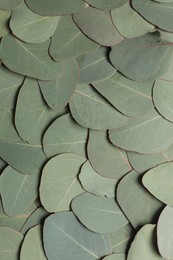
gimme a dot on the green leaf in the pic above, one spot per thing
(130, 97)
(99, 214)
(98, 26)
(157, 13)
(9, 86)
(159, 182)
(164, 233)
(95, 66)
(32, 115)
(63, 231)
(64, 135)
(129, 23)
(129, 136)
(95, 183)
(107, 159)
(65, 39)
(28, 59)
(162, 97)
(55, 7)
(10, 242)
(57, 93)
(32, 247)
(4, 19)
(31, 27)
(168, 73)
(115, 257)
(91, 110)
(9, 4)
(155, 53)
(143, 246)
(23, 191)
(106, 5)
(139, 205)
(59, 183)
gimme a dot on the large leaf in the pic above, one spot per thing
(146, 57)
(106, 5)
(32, 247)
(95, 66)
(129, 136)
(129, 23)
(28, 59)
(63, 235)
(91, 110)
(163, 98)
(31, 27)
(56, 7)
(65, 39)
(98, 26)
(107, 159)
(57, 93)
(65, 135)
(9, 4)
(164, 233)
(130, 97)
(23, 191)
(144, 246)
(9, 86)
(59, 183)
(157, 13)
(99, 214)
(10, 242)
(159, 182)
(139, 211)
(4, 19)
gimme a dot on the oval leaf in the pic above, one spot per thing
(9, 4)
(106, 5)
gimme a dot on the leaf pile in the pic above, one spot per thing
(86, 129)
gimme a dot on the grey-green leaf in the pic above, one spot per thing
(99, 214)
(63, 231)
(159, 182)
(106, 5)
(107, 159)
(130, 97)
(9, 4)
(65, 39)
(31, 27)
(139, 205)
(146, 126)
(4, 20)
(29, 59)
(64, 135)
(98, 26)
(155, 53)
(91, 110)
(95, 183)
(115, 257)
(95, 66)
(59, 182)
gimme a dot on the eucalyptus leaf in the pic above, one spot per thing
(99, 214)
(29, 59)
(107, 159)
(91, 110)
(23, 191)
(57, 93)
(56, 7)
(151, 126)
(32, 245)
(64, 135)
(9, 4)
(158, 181)
(168, 73)
(130, 97)
(4, 19)
(31, 27)
(95, 183)
(65, 39)
(10, 242)
(63, 231)
(129, 23)
(155, 53)
(139, 205)
(115, 257)
(59, 182)
(95, 66)
(164, 233)
(144, 245)
(98, 26)
(106, 5)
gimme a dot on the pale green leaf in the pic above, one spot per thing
(115, 257)
(4, 19)
(106, 5)
(9, 4)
